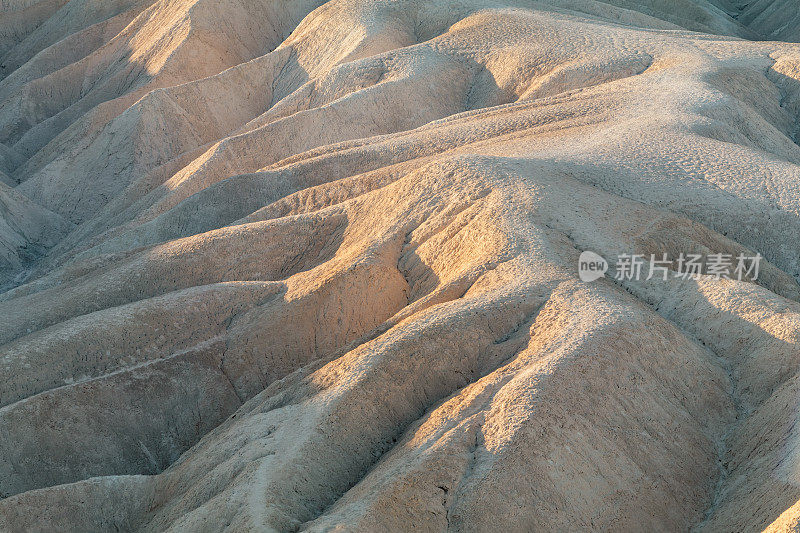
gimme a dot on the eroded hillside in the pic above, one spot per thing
(305, 265)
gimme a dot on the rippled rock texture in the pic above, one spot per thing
(303, 265)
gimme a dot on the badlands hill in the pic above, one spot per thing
(303, 265)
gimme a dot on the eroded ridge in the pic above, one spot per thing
(312, 265)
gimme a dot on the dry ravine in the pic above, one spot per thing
(297, 265)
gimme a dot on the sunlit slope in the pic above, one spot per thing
(306, 266)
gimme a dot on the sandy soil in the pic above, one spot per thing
(295, 265)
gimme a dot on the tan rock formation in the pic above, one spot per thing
(301, 265)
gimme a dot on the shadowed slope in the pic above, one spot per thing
(314, 268)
